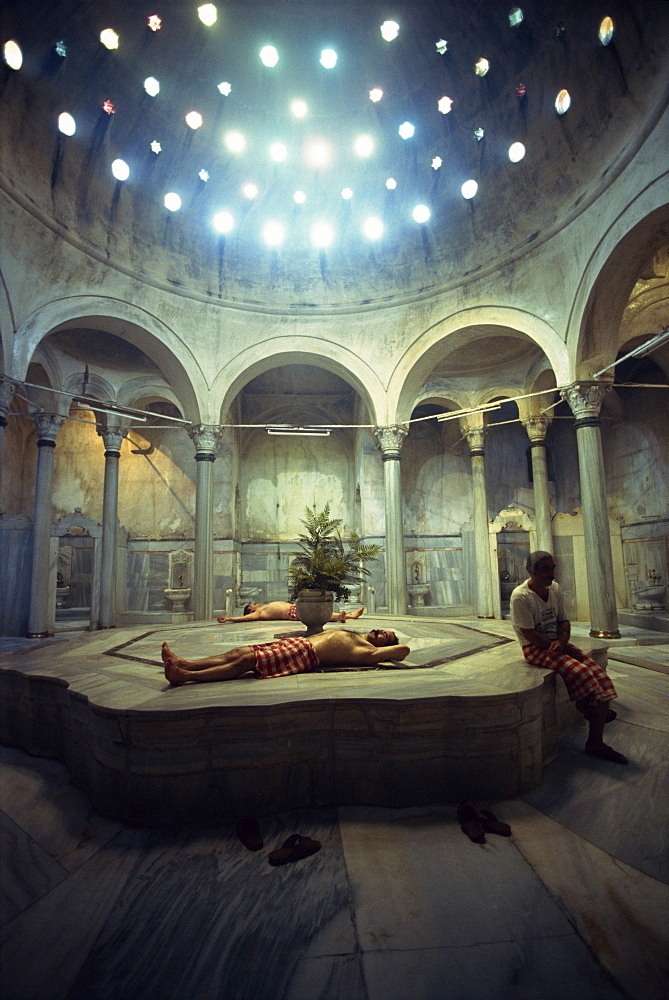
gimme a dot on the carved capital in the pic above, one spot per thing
(585, 399)
(112, 437)
(47, 424)
(475, 437)
(7, 390)
(204, 436)
(390, 439)
(536, 427)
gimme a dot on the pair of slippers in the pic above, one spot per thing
(476, 824)
(297, 846)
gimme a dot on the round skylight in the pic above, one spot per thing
(436, 162)
(373, 228)
(421, 213)
(606, 30)
(347, 193)
(156, 147)
(444, 104)
(389, 30)
(482, 67)
(207, 14)
(516, 152)
(194, 120)
(120, 170)
(322, 235)
(235, 142)
(250, 190)
(151, 86)
(391, 183)
(66, 124)
(515, 16)
(318, 154)
(269, 56)
(328, 58)
(12, 55)
(225, 88)
(406, 130)
(298, 108)
(273, 234)
(375, 95)
(172, 201)
(278, 152)
(109, 38)
(364, 145)
(224, 222)
(469, 189)
(299, 197)
(562, 102)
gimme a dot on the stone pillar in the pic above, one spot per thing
(536, 426)
(48, 425)
(585, 400)
(205, 438)
(7, 390)
(112, 437)
(474, 430)
(389, 440)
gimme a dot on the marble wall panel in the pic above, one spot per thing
(645, 550)
(15, 567)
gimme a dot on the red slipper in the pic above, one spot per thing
(605, 752)
(248, 831)
(295, 848)
(493, 825)
(470, 822)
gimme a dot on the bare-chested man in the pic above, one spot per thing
(293, 655)
(281, 611)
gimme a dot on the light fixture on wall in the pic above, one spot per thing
(299, 431)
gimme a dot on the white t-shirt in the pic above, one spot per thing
(529, 611)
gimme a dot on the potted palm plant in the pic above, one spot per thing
(320, 572)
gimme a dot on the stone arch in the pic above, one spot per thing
(139, 327)
(456, 330)
(260, 358)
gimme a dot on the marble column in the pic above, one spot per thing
(536, 426)
(48, 425)
(205, 438)
(585, 400)
(112, 437)
(474, 430)
(7, 390)
(389, 440)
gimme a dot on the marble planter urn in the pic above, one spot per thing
(314, 609)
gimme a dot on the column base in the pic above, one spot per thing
(599, 634)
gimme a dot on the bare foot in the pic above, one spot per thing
(174, 673)
(339, 617)
(605, 752)
(356, 614)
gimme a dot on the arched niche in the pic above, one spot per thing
(76, 538)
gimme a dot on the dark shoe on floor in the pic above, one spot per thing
(248, 831)
(470, 822)
(606, 753)
(296, 847)
(493, 825)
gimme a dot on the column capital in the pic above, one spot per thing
(536, 426)
(585, 399)
(112, 437)
(390, 439)
(48, 425)
(204, 436)
(7, 390)
(475, 437)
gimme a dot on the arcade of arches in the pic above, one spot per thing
(533, 292)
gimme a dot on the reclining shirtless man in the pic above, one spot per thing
(281, 611)
(293, 655)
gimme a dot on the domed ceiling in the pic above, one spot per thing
(324, 168)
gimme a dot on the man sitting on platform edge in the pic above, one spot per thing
(281, 611)
(293, 655)
(539, 620)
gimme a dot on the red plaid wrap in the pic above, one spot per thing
(286, 656)
(292, 613)
(583, 680)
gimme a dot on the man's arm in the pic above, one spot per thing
(379, 654)
(251, 617)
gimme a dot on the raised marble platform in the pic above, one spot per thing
(463, 716)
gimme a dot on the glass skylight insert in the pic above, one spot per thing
(224, 222)
(299, 197)
(250, 190)
(406, 130)
(298, 108)
(203, 175)
(436, 162)
(515, 16)
(66, 123)
(154, 22)
(318, 154)
(108, 106)
(235, 142)
(322, 235)
(479, 134)
(516, 152)
(482, 67)
(328, 58)
(364, 145)
(151, 86)
(390, 30)
(442, 46)
(60, 49)
(172, 201)
(421, 214)
(269, 56)
(469, 189)
(375, 95)
(156, 147)
(347, 193)
(194, 120)
(225, 88)
(278, 152)
(109, 38)
(562, 102)
(373, 228)
(391, 183)
(273, 234)
(606, 30)
(444, 104)
(120, 170)
(208, 14)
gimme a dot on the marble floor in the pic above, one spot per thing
(398, 903)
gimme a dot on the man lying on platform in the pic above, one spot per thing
(294, 655)
(281, 611)
(539, 620)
